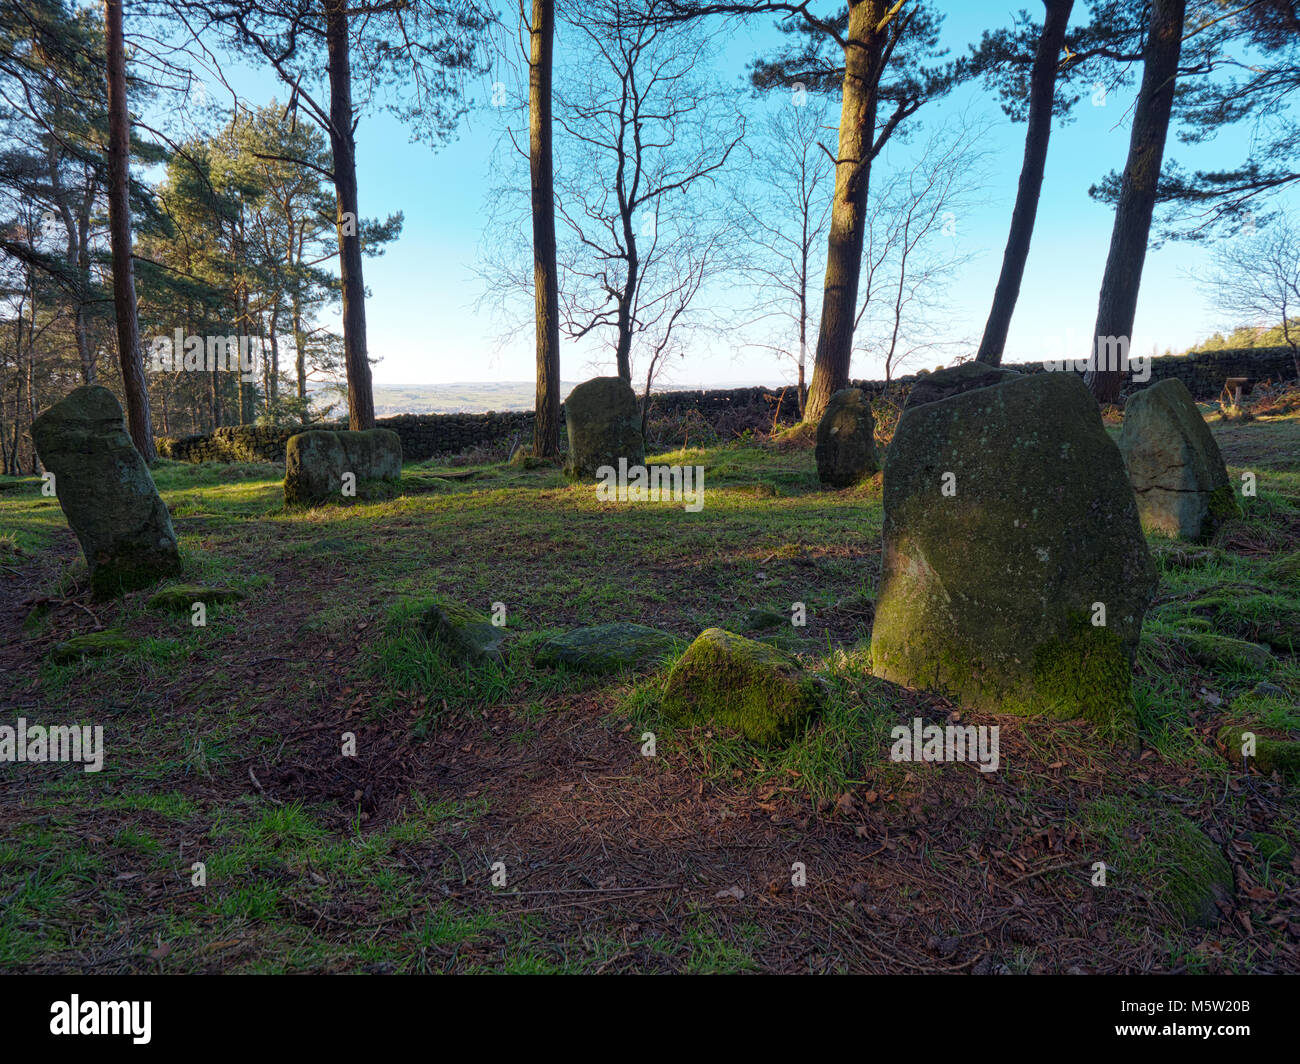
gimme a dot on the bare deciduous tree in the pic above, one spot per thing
(646, 137)
(642, 136)
(913, 248)
(785, 221)
(1256, 280)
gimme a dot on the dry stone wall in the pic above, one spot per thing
(430, 435)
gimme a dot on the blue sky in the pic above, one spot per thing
(424, 327)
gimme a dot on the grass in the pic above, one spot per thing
(227, 744)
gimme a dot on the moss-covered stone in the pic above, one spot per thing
(762, 619)
(607, 648)
(106, 492)
(1268, 618)
(604, 425)
(1161, 853)
(728, 681)
(1216, 651)
(315, 463)
(846, 440)
(1175, 465)
(463, 634)
(1272, 754)
(1271, 848)
(92, 645)
(180, 598)
(1008, 516)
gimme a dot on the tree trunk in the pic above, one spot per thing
(803, 312)
(273, 384)
(1137, 197)
(300, 347)
(361, 400)
(85, 347)
(31, 378)
(215, 377)
(623, 352)
(119, 223)
(848, 209)
(546, 427)
(1042, 92)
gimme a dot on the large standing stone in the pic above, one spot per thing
(1009, 528)
(1174, 464)
(727, 680)
(604, 425)
(966, 377)
(846, 440)
(315, 462)
(106, 492)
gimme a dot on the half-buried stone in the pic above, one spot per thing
(106, 492)
(1162, 854)
(604, 425)
(1015, 575)
(465, 635)
(1174, 464)
(110, 642)
(316, 462)
(762, 619)
(846, 440)
(606, 648)
(728, 681)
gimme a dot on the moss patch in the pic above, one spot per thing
(1266, 618)
(93, 645)
(1271, 847)
(1220, 651)
(181, 597)
(1086, 674)
(1161, 853)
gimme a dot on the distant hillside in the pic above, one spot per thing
(471, 398)
(478, 397)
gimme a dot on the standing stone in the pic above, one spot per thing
(604, 425)
(315, 462)
(846, 440)
(1174, 464)
(106, 492)
(1010, 532)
